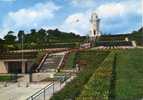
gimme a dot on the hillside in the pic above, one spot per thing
(108, 75)
(137, 36)
(37, 39)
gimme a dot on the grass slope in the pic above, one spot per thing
(98, 86)
(70, 63)
(101, 78)
(73, 89)
(129, 69)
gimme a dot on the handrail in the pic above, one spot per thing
(43, 90)
(39, 92)
(42, 62)
(61, 61)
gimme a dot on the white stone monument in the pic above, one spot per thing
(95, 29)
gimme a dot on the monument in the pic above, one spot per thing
(95, 27)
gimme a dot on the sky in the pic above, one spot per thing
(117, 16)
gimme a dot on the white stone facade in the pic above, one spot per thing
(95, 26)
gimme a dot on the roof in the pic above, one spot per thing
(17, 55)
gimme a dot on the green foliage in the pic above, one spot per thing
(39, 57)
(18, 55)
(70, 63)
(41, 39)
(98, 86)
(21, 36)
(137, 36)
(2, 46)
(73, 88)
(10, 38)
(129, 84)
(5, 78)
(62, 45)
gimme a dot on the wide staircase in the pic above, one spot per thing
(114, 41)
(113, 37)
(51, 63)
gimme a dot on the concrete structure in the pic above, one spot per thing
(95, 29)
(52, 62)
(21, 61)
(15, 65)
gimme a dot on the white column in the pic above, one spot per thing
(23, 66)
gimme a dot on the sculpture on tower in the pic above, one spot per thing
(95, 29)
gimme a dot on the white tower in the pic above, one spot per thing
(94, 31)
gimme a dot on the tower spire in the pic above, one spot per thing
(95, 29)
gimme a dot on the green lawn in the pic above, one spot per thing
(129, 80)
(99, 84)
(5, 78)
(104, 77)
(70, 63)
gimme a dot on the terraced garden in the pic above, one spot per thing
(108, 75)
(74, 88)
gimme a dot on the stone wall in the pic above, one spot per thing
(3, 67)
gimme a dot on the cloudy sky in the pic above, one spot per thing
(117, 16)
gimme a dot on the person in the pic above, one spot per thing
(77, 67)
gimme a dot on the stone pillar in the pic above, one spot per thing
(23, 66)
(134, 44)
(3, 67)
(6, 66)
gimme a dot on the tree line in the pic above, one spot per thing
(37, 39)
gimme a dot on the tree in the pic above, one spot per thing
(141, 29)
(42, 36)
(21, 35)
(10, 32)
(33, 31)
(10, 38)
(2, 48)
(33, 36)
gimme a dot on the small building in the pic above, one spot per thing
(16, 62)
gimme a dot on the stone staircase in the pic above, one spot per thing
(51, 63)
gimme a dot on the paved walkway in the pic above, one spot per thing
(20, 91)
(14, 92)
(47, 93)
